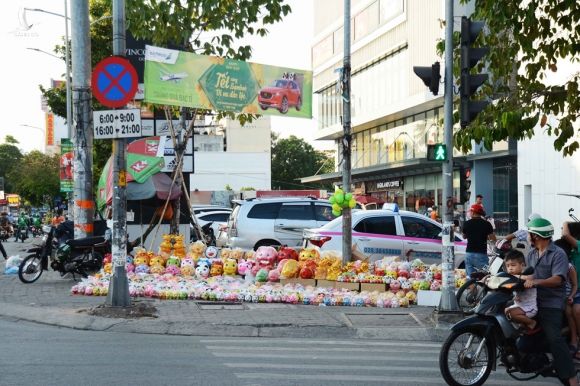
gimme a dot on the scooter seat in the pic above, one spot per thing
(86, 241)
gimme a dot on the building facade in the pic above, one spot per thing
(394, 115)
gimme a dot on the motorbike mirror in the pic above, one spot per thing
(528, 271)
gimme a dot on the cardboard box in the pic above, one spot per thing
(304, 282)
(348, 286)
(428, 298)
(371, 287)
(325, 283)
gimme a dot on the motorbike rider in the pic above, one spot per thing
(22, 224)
(550, 271)
(520, 235)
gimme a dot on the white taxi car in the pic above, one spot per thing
(380, 233)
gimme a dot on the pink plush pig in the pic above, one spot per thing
(265, 258)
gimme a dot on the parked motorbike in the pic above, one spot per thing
(66, 255)
(474, 345)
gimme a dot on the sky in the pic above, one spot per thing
(288, 45)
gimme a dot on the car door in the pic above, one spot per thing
(375, 237)
(294, 92)
(422, 239)
(293, 218)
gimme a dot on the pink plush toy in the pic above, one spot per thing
(265, 259)
(274, 275)
(244, 267)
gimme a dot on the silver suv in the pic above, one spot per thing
(275, 221)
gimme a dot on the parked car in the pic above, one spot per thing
(198, 209)
(379, 233)
(284, 93)
(275, 221)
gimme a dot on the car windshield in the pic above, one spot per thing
(280, 83)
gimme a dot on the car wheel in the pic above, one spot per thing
(264, 107)
(299, 104)
(284, 106)
(266, 243)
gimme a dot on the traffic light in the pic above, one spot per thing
(467, 194)
(430, 76)
(437, 152)
(470, 82)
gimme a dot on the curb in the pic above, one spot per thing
(77, 319)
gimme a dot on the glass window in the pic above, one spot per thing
(219, 217)
(391, 9)
(366, 21)
(416, 227)
(384, 225)
(265, 211)
(296, 212)
(322, 51)
(323, 213)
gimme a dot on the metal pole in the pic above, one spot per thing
(448, 300)
(118, 295)
(346, 139)
(83, 126)
(68, 79)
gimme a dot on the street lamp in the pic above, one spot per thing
(37, 128)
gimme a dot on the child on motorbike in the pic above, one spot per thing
(525, 306)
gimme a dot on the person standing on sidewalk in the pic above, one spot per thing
(550, 271)
(477, 231)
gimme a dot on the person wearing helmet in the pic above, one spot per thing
(477, 231)
(571, 235)
(550, 265)
(521, 234)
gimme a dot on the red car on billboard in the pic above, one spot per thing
(282, 94)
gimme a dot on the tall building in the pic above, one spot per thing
(394, 115)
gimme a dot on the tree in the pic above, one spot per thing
(36, 177)
(101, 47)
(207, 28)
(10, 158)
(293, 158)
(527, 41)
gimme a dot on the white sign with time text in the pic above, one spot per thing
(117, 123)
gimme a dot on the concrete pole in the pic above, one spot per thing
(448, 300)
(68, 79)
(346, 139)
(118, 295)
(83, 126)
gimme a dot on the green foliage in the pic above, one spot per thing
(526, 40)
(10, 158)
(247, 188)
(293, 158)
(36, 177)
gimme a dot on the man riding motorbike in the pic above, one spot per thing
(550, 265)
(22, 225)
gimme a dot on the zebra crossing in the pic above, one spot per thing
(265, 361)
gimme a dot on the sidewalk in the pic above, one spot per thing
(49, 301)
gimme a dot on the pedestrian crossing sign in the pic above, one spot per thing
(437, 152)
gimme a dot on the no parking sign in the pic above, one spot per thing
(114, 81)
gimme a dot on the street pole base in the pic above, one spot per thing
(118, 295)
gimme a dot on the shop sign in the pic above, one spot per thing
(389, 184)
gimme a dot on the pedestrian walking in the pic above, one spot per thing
(478, 231)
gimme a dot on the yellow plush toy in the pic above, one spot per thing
(196, 250)
(289, 270)
(225, 254)
(237, 253)
(230, 267)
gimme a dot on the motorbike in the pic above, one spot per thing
(65, 254)
(471, 351)
(5, 233)
(21, 233)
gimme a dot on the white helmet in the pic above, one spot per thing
(534, 216)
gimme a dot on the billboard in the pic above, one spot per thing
(49, 129)
(66, 165)
(181, 78)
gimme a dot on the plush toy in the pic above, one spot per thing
(435, 285)
(129, 267)
(308, 254)
(173, 260)
(202, 271)
(230, 266)
(196, 250)
(156, 260)
(262, 275)
(108, 258)
(225, 254)
(238, 254)
(172, 269)
(108, 268)
(287, 253)
(157, 268)
(265, 259)
(211, 252)
(289, 269)
(140, 260)
(274, 275)
(395, 285)
(411, 296)
(244, 267)
(141, 268)
(217, 268)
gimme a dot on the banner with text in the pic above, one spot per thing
(66, 165)
(184, 79)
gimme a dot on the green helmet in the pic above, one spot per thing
(541, 227)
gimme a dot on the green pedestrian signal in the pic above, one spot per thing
(437, 152)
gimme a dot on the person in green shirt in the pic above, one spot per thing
(571, 234)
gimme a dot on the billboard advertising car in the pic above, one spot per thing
(185, 79)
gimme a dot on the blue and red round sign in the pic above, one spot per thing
(114, 81)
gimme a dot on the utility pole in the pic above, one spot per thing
(346, 139)
(83, 129)
(448, 300)
(118, 295)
